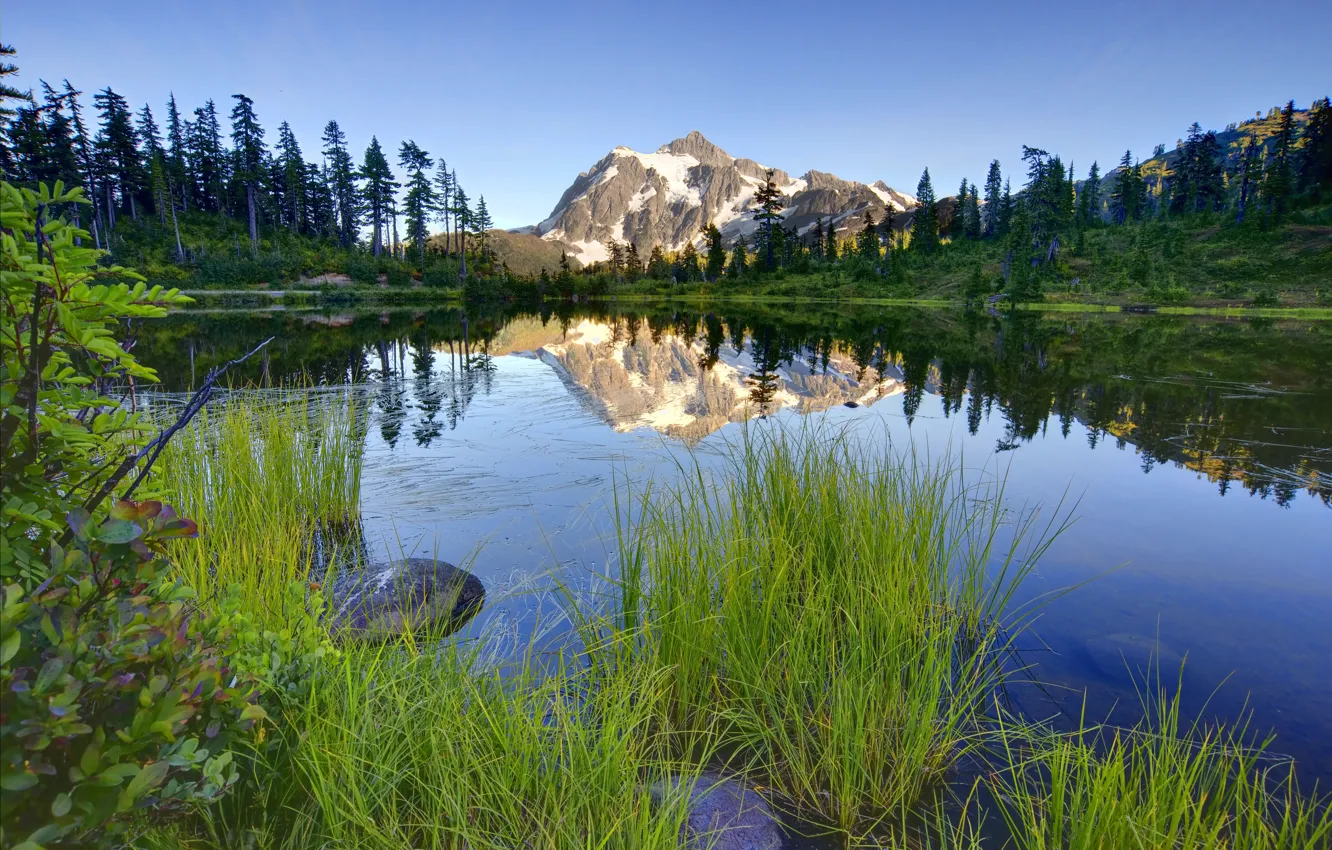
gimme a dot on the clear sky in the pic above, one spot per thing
(521, 97)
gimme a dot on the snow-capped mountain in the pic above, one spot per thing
(666, 198)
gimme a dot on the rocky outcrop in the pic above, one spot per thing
(722, 814)
(416, 593)
(667, 198)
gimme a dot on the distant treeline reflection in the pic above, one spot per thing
(1245, 403)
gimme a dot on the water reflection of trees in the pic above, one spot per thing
(1179, 391)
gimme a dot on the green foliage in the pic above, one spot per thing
(119, 697)
(63, 437)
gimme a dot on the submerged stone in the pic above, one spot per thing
(723, 815)
(417, 593)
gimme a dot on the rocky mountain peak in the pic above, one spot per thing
(668, 197)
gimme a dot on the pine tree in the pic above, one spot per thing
(444, 194)
(340, 173)
(657, 267)
(958, 227)
(1089, 200)
(377, 191)
(688, 262)
(291, 174)
(60, 157)
(716, 258)
(633, 266)
(482, 223)
(462, 221)
(421, 200)
(1250, 161)
(973, 221)
(867, 241)
(8, 96)
(118, 151)
(1277, 182)
(1005, 216)
(1127, 195)
(830, 242)
(247, 138)
(177, 160)
(925, 228)
(739, 260)
(1316, 159)
(993, 199)
(767, 212)
(816, 245)
(207, 157)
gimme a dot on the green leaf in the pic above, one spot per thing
(115, 531)
(18, 781)
(61, 805)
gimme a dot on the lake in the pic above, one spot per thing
(1196, 455)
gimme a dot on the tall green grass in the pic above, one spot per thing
(273, 479)
(1166, 783)
(828, 614)
(828, 619)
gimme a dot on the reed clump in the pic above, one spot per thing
(273, 478)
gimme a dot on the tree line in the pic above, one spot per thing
(1273, 168)
(130, 165)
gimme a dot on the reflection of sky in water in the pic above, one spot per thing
(1243, 588)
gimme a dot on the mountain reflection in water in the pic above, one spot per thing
(1244, 404)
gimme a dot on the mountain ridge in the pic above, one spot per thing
(667, 197)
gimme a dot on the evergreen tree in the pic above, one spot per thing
(993, 199)
(716, 263)
(118, 151)
(1316, 160)
(1277, 182)
(340, 174)
(9, 97)
(687, 262)
(1250, 162)
(177, 158)
(444, 194)
(291, 179)
(867, 241)
(462, 220)
(60, 156)
(247, 138)
(208, 159)
(633, 266)
(925, 228)
(421, 200)
(816, 245)
(739, 260)
(973, 221)
(482, 224)
(767, 212)
(958, 228)
(830, 242)
(1126, 199)
(377, 191)
(1005, 216)
(657, 267)
(1089, 200)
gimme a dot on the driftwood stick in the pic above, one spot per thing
(154, 448)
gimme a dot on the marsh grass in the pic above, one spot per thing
(829, 615)
(273, 479)
(1165, 783)
(830, 620)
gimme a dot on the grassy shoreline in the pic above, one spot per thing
(743, 633)
(418, 296)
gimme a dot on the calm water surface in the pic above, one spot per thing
(1200, 450)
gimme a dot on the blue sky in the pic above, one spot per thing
(521, 97)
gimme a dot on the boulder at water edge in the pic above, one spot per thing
(420, 593)
(723, 815)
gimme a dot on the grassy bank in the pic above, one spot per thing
(826, 620)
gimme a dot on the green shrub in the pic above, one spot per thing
(362, 270)
(119, 697)
(63, 438)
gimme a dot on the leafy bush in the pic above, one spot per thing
(63, 438)
(119, 697)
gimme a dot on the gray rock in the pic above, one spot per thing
(723, 815)
(418, 592)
